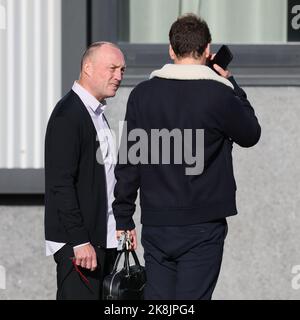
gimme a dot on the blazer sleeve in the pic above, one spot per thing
(62, 161)
(238, 119)
(127, 175)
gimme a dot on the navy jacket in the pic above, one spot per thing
(185, 97)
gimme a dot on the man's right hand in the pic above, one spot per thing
(85, 257)
(223, 73)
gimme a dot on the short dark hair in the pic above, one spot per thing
(189, 35)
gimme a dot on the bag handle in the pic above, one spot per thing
(117, 262)
(126, 260)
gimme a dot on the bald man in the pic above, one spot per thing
(80, 228)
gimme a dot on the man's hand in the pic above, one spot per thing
(224, 73)
(132, 237)
(85, 257)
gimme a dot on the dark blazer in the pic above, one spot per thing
(75, 198)
(167, 195)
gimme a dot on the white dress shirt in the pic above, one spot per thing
(108, 150)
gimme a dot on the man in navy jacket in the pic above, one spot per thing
(183, 205)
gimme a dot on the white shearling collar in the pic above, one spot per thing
(189, 72)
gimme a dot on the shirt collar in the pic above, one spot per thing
(88, 99)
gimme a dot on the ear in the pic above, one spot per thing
(172, 53)
(87, 68)
(207, 51)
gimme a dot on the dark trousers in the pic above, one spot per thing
(72, 284)
(183, 262)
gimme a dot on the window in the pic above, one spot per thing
(230, 21)
(264, 35)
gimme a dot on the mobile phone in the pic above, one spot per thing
(222, 58)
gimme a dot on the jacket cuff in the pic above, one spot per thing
(238, 91)
(78, 236)
(81, 245)
(125, 224)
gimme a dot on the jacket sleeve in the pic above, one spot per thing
(238, 120)
(127, 175)
(62, 161)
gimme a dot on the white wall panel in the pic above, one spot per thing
(30, 78)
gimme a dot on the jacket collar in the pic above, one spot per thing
(189, 72)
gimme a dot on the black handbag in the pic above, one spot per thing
(127, 283)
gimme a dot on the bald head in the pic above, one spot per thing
(93, 48)
(102, 69)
